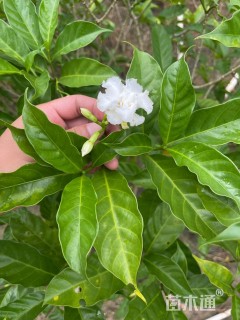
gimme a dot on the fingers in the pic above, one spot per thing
(86, 130)
(68, 108)
(112, 165)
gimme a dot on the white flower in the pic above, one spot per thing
(120, 102)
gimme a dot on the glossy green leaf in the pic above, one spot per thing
(227, 32)
(224, 209)
(142, 180)
(148, 202)
(31, 229)
(219, 275)
(29, 184)
(148, 73)
(180, 258)
(23, 264)
(201, 286)
(101, 154)
(19, 136)
(177, 102)
(77, 222)
(83, 313)
(216, 125)
(27, 306)
(48, 20)
(162, 46)
(169, 273)
(133, 145)
(7, 68)
(70, 288)
(176, 315)
(235, 308)
(10, 293)
(211, 167)
(50, 141)
(119, 240)
(178, 187)
(232, 233)
(40, 84)
(23, 18)
(11, 44)
(29, 59)
(76, 35)
(162, 229)
(84, 72)
(155, 308)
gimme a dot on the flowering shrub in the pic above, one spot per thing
(104, 234)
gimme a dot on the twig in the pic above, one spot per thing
(205, 85)
(135, 19)
(197, 60)
(107, 12)
(99, 20)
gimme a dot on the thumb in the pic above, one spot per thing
(86, 130)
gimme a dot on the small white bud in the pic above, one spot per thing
(88, 114)
(87, 148)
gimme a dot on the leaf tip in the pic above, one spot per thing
(140, 295)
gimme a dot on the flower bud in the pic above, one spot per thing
(87, 148)
(88, 114)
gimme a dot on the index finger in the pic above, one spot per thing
(68, 108)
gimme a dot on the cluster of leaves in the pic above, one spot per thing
(95, 238)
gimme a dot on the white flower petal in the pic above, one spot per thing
(132, 85)
(137, 120)
(120, 102)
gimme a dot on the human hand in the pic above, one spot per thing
(64, 112)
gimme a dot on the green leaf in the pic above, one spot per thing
(40, 84)
(23, 264)
(178, 187)
(177, 102)
(201, 286)
(83, 313)
(11, 44)
(50, 141)
(29, 184)
(180, 258)
(227, 32)
(235, 308)
(77, 222)
(84, 72)
(218, 275)
(211, 167)
(169, 273)
(216, 125)
(142, 180)
(224, 209)
(148, 73)
(29, 60)
(162, 229)
(148, 202)
(69, 288)
(48, 20)
(31, 229)
(7, 68)
(26, 306)
(133, 145)
(119, 240)
(19, 136)
(232, 233)
(23, 18)
(101, 154)
(162, 46)
(76, 35)
(155, 308)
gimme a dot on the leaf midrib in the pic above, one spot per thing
(183, 195)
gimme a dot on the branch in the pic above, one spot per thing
(211, 83)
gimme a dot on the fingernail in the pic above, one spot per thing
(92, 128)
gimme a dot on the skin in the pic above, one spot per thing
(64, 112)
